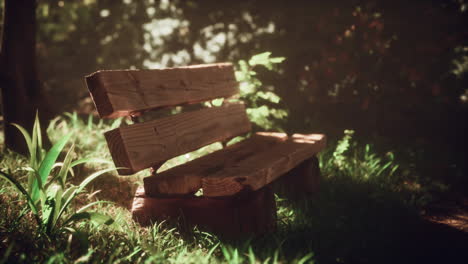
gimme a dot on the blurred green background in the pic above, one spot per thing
(393, 71)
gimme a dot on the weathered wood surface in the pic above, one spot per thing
(144, 145)
(127, 92)
(249, 213)
(247, 165)
(301, 181)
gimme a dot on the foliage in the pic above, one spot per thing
(348, 62)
(262, 102)
(360, 162)
(87, 134)
(47, 196)
(354, 217)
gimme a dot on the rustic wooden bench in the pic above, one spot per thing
(235, 181)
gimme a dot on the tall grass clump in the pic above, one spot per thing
(359, 162)
(47, 194)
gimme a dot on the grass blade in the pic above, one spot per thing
(81, 187)
(86, 207)
(26, 136)
(208, 256)
(306, 258)
(34, 161)
(86, 160)
(37, 128)
(20, 188)
(58, 205)
(48, 162)
(62, 175)
(94, 217)
(50, 206)
(65, 196)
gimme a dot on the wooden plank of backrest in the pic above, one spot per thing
(148, 144)
(126, 92)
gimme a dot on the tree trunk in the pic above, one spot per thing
(21, 89)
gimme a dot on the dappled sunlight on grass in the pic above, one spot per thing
(366, 208)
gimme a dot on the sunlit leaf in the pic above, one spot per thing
(48, 162)
(88, 160)
(62, 175)
(94, 217)
(83, 184)
(260, 59)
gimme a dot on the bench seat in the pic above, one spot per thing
(246, 165)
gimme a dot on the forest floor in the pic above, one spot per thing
(449, 214)
(441, 234)
(352, 219)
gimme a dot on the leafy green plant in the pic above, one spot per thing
(48, 197)
(262, 102)
(360, 162)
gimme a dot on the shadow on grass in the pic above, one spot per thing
(351, 221)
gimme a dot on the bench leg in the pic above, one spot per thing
(248, 213)
(303, 179)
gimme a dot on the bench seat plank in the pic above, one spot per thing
(247, 165)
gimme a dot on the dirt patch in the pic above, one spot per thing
(453, 215)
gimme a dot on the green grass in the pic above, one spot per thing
(359, 215)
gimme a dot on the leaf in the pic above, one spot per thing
(260, 59)
(306, 258)
(66, 195)
(86, 160)
(58, 206)
(246, 88)
(26, 136)
(251, 255)
(49, 208)
(217, 102)
(48, 162)
(277, 59)
(94, 217)
(37, 128)
(90, 122)
(34, 160)
(20, 188)
(269, 96)
(86, 207)
(243, 66)
(83, 184)
(62, 175)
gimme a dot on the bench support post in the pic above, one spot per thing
(300, 181)
(243, 214)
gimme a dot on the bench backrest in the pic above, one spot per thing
(132, 92)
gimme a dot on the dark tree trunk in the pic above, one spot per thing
(19, 82)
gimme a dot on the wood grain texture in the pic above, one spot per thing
(248, 213)
(126, 92)
(247, 165)
(144, 145)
